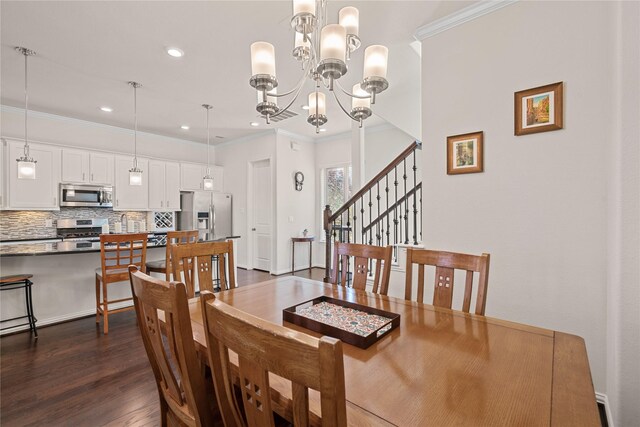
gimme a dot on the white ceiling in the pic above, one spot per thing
(88, 50)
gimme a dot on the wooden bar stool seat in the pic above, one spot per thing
(21, 281)
(173, 238)
(117, 252)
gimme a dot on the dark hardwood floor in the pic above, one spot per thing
(73, 375)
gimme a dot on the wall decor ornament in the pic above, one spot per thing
(299, 178)
(465, 153)
(538, 109)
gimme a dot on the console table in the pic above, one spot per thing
(295, 240)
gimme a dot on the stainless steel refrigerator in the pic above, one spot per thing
(208, 212)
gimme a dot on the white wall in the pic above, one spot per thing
(295, 210)
(54, 129)
(235, 157)
(623, 278)
(540, 207)
(381, 145)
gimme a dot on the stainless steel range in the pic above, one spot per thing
(80, 233)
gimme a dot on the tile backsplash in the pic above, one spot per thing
(31, 224)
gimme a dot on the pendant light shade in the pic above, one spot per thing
(135, 173)
(207, 180)
(26, 163)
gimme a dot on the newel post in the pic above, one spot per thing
(327, 249)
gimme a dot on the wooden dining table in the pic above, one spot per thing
(439, 367)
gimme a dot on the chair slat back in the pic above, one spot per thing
(363, 256)
(198, 257)
(262, 348)
(175, 238)
(445, 264)
(170, 347)
(119, 251)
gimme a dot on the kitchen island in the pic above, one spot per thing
(63, 277)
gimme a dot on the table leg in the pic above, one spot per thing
(293, 257)
(310, 255)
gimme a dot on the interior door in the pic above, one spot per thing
(261, 218)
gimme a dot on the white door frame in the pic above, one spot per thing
(250, 208)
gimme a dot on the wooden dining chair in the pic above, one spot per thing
(263, 348)
(164, 265)
(171, 350)
(199, 257)
(445, 264)
(363, 256)
(117, 252)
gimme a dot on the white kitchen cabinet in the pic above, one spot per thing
(101, 168)
(218, 178)
(82, 166)
(164, 186)
(172, 185)
(130, 197)
(34, 194)
(191, 175)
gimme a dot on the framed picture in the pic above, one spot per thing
(538, 109)
(464, 153)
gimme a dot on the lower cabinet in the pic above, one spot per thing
(130, 197)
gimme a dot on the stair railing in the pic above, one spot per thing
(362, 219)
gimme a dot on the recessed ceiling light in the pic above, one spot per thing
(323, 130)
(175, 52)
(305, 107)
(106, 109)
(184, 127)
(254, 124)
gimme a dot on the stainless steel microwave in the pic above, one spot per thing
(96, 196)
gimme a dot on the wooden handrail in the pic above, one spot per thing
(393, 206)
(395, 162)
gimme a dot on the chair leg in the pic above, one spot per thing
(105, 308)
(32, 319)
(164, 408)
(97, 299)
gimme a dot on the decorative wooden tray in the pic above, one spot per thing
(351, 323)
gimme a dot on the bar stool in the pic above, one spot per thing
(19, 281)
(163, 266)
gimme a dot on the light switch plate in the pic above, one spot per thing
(290, 218)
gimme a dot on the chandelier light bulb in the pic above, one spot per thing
(360, 102)
(271, 99)
(263, 59)
(375, 61)
(349, 19)
(304, 6)
(333, 42)
(321, 105)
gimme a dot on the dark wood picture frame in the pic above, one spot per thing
(531, 118)
(464, 158)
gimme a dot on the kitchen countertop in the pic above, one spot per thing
(60, 248)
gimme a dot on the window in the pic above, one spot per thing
(336, 188)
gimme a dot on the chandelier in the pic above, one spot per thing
(323, 50)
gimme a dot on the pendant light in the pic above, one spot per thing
(135, 173)
(207, 180)
(26, 163)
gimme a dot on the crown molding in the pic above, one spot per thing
(467, 14)
(246, 138)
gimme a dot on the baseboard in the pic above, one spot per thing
(67, 317)
(602, 398)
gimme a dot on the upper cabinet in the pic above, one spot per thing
(130, 197)
(34, 194)
(191, 175)
(81, 166)
(164, 186)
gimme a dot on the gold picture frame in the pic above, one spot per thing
(465, 153)
(538, 109)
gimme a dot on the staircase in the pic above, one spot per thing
(385, 211)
